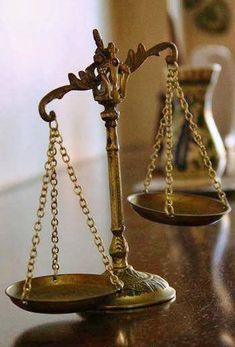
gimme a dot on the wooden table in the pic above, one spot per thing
(198, 262)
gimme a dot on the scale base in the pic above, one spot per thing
(140, 289)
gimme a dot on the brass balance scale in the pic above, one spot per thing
(120, 286)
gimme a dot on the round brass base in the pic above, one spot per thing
(140, 289)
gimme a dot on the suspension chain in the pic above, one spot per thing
(38, 224)
(169, 209)
(198, 140)
(54, 207)
(85, 209)
(165, 128)
(154, 156)
(50, 177)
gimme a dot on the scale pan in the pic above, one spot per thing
(190, 209)
(69, 293)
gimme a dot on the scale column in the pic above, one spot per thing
(119, 248)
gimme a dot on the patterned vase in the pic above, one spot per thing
(198, 85)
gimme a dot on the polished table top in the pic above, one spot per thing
(198, 262)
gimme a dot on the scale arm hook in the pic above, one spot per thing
(86, 81)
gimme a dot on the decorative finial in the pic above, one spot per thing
(98, 40)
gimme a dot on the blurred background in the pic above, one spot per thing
(42, 41)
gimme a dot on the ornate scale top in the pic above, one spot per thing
(120, 287)
(106, 76)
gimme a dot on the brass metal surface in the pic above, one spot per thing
(68, 293)
(190, 209)
(141, 289)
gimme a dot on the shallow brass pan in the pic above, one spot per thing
(69, 293)
(190, 209)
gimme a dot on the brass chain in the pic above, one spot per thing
(54, 207)
(169, 209)
(50, 177)
(172, 86)
(198, 139)
(85, 209)
(154, 156)
(38, 224)
(164, 128)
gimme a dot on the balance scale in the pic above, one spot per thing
(120, 286)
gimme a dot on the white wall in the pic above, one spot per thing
(40, 42)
